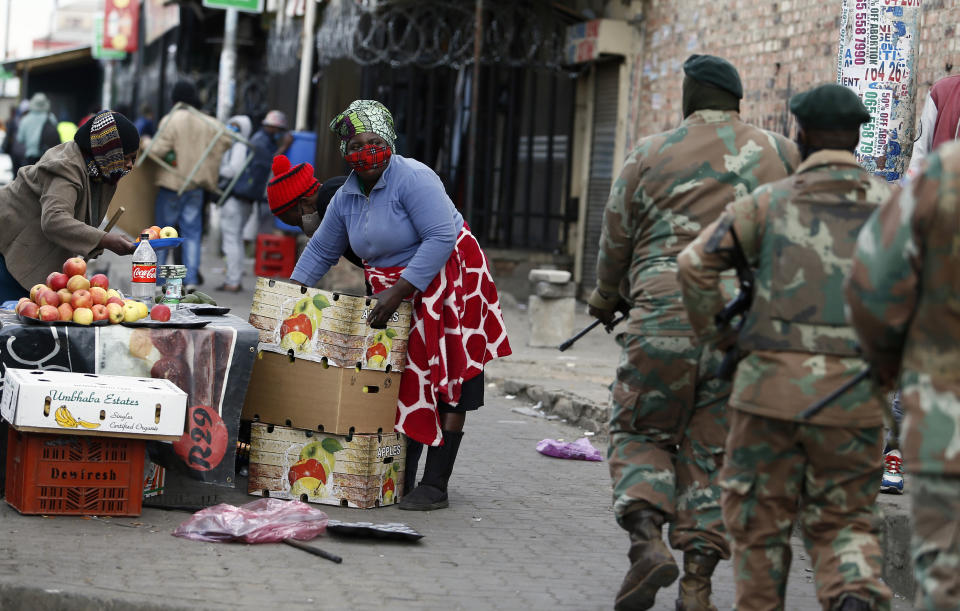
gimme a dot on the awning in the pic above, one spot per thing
(54, 59)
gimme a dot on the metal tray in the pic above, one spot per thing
(395, 530)
(205, 309)
(179, 319)
(60, 323)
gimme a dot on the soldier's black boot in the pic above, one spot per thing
(695, 584)
(651, 564)
(432, 491)
(849, 602)
(414, 449)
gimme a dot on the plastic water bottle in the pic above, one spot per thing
(143, 277)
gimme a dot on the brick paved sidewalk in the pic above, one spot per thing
(523, 532)
(545, 536)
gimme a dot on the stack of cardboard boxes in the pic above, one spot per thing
(76, 443)
(323, 396)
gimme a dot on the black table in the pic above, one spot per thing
(211, 364)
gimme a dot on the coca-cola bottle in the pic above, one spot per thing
(143, 277)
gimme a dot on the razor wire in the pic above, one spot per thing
(437, 33)
(283, 49)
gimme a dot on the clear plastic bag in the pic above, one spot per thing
(262, 521)
(580, 449)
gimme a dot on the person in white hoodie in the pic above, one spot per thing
(236, 209)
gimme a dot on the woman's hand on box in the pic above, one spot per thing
(388, 301)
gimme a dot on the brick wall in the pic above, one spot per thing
(779, 48)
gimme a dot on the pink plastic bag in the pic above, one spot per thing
(262, 521)
(580, 449)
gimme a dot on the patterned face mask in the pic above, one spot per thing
(369, 157)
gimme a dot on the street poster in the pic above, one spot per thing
(98, 52)
(878, 46)
(121, 23)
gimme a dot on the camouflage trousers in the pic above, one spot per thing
(935, 501)
(777, 469)
(667, 430)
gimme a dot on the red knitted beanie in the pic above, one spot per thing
(289, 184)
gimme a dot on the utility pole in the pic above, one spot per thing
(106, 100)
(6, 33)
(226, 85)
(6, 47)
(306, 65)
(886, 85)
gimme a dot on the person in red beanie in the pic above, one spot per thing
(297, 198)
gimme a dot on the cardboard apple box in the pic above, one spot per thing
(337, 325)
(310, 393)
(361, 471)
(90, 404)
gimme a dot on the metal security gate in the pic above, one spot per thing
(602, 164)
(522, 163)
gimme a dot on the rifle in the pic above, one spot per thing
(623, 307)
(815, 409)
(738, 306)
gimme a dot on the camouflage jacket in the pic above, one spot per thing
(800, 236)
(671, 186)
(904, 302)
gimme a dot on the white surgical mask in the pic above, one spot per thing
(310, 222)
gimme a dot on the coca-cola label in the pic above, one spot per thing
(145, 273)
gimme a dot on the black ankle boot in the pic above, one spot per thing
(414, 449)
(432, 491)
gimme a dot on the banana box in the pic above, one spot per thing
(360, 471)
(89, 404)
(310, 393)
(330, 325)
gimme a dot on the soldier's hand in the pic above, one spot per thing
(726, 342)
(605, 316)
(603, 306)
(884, 375)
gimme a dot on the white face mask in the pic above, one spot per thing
(310, 222)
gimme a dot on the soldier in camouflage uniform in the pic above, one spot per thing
(668, 420)
(800, 234)
(904, 300)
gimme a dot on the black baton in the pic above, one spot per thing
(815, 409)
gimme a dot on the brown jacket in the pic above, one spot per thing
(187, 134)
(50, 213)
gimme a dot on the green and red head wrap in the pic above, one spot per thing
(364, 116)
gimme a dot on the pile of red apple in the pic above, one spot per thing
(71, 296)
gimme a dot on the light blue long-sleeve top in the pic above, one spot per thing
(408, 221)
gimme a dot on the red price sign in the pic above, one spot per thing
(205, 441)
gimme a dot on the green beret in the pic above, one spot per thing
(715, 71)
(829, 107)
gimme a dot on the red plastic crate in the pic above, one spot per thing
(276, 255)
(74, 474)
